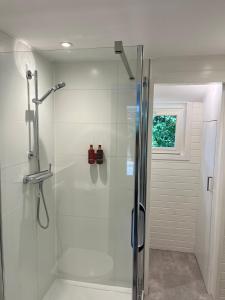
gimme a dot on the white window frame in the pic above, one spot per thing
(182, 111)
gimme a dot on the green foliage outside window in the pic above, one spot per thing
(164, 131)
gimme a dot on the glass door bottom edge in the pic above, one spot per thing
(62, 289)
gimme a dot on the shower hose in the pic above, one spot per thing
(41, 196)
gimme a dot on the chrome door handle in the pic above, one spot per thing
(140, 246)
(132, 229)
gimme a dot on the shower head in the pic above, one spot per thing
(58, 86)
(53, 89)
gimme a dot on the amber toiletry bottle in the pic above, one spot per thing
(91, 155)
(99, 155)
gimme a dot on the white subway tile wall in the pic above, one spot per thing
(175, 195)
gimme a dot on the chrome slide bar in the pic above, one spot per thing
(118, 47)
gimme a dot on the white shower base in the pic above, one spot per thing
(85, 265)
(75, 290)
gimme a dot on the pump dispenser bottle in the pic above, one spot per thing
(91, 155)
(99, 155)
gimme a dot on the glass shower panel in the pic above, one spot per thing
(122, 173)
(94, 202)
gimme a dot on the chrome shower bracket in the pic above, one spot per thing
(30, 154)
(29, 75)
(118, 48)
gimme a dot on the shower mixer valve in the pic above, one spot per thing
(38, 177)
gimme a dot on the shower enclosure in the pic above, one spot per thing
(94, 245)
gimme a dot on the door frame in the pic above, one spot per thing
(148, 196)
(218, 207)
(139, 221)
(135, 223)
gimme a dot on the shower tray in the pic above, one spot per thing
(85, 265)
(68, 290)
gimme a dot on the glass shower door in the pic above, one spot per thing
(94, 202)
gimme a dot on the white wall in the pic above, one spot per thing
(28, 251)
(94, 202)
(212, 102)
(175, 195)
(206, 211)
(192, 69)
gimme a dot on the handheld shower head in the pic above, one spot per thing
(53, 89)
(58, 86)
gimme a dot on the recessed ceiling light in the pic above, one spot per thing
(66, 44)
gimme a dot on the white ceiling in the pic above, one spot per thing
(180, 92)
(165, 27)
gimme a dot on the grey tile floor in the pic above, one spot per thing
(175, 276)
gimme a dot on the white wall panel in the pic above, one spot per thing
(28, 252)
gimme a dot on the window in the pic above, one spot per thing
(171, 131)
(164, 131)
